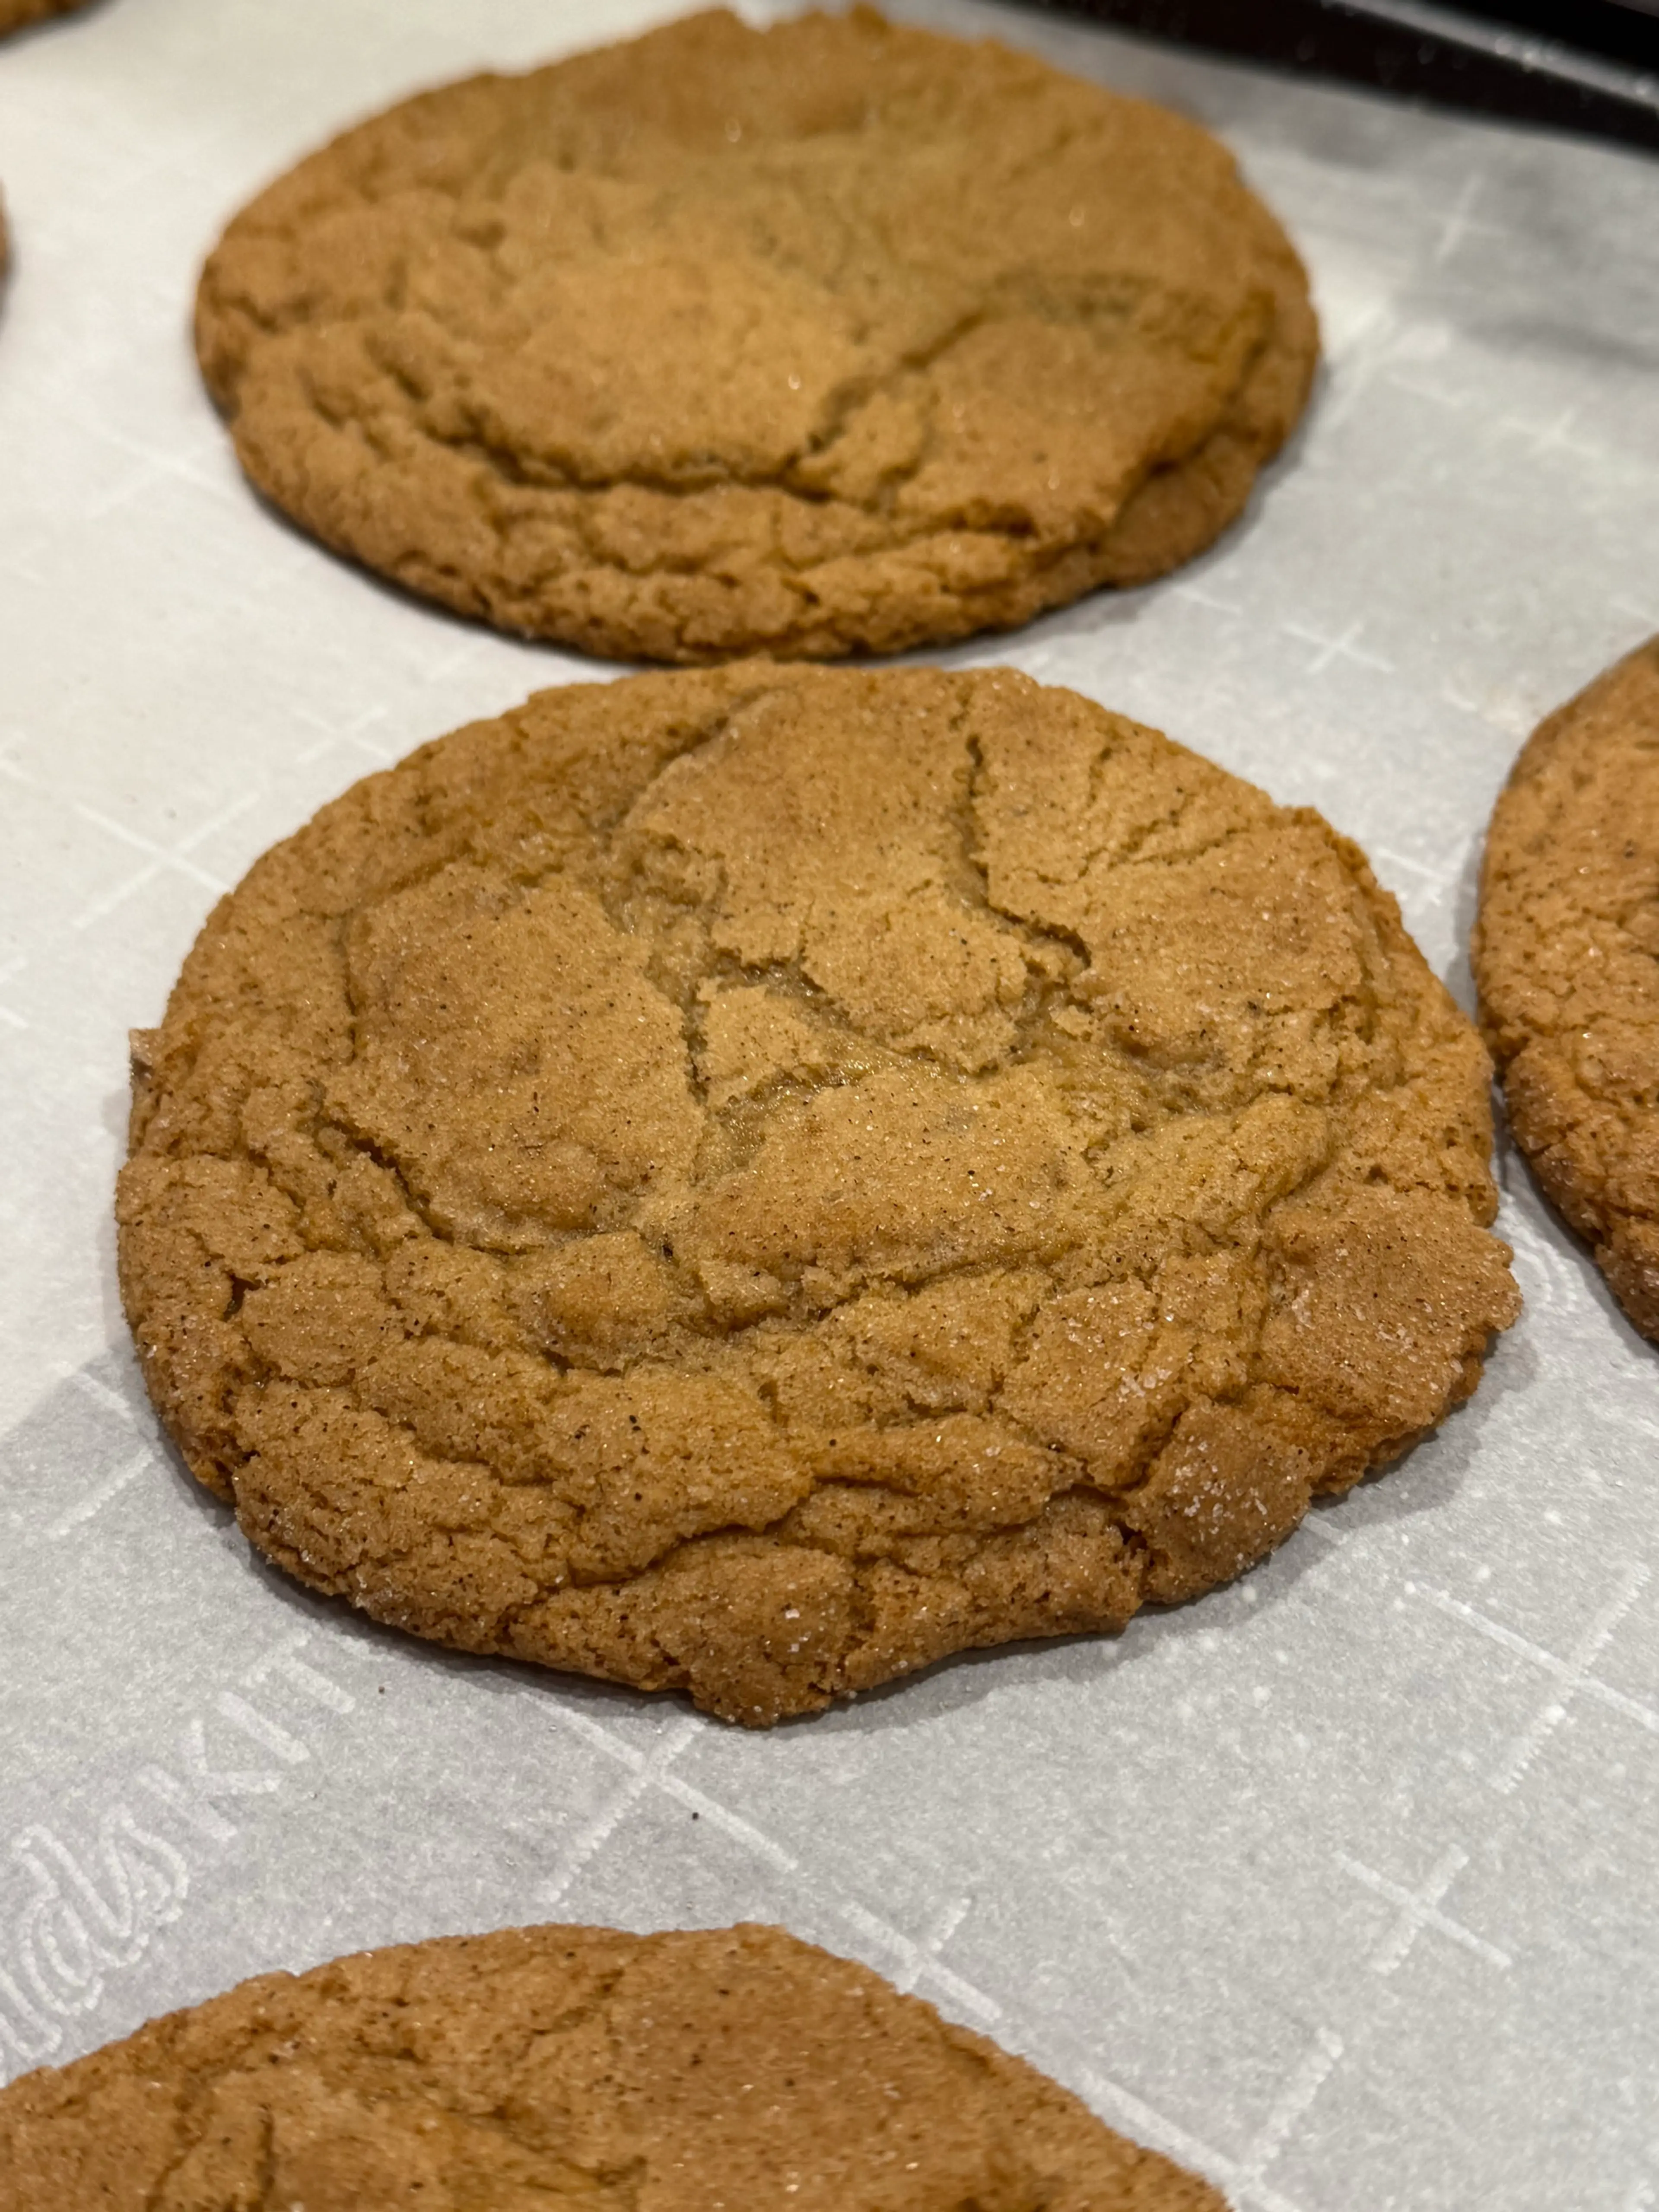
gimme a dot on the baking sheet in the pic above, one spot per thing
(1339, 1885)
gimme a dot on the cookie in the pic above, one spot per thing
(830, 336)
(15, 15)
(1566, 959)
(571, 2067)
(752, 1181)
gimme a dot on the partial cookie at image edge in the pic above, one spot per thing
(1566, 960)
(574, 2059)
(18, 14)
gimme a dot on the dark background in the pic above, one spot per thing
(1453, 66)
(1623, 30)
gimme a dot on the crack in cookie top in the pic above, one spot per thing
(830, 335)
(570, 2069)
(756, 1180)
(1566, 956)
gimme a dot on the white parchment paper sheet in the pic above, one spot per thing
(1340, 1885)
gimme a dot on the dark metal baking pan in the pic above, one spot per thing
(1591, 66)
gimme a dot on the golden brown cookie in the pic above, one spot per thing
(1566, 957)
(15, 15)
(752, 1181)
(827, 337)
(570, 2069)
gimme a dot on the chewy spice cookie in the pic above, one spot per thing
(1566, 957)
(573, 2070)
(834, 336)
(754, 1180)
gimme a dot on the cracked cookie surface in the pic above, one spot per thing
(1566, 957)
(754, 1180)
(570, 2067)
(830, 336)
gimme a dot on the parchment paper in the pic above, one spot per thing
(1340, 1884)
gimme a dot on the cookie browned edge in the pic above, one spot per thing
(1594, 1147)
